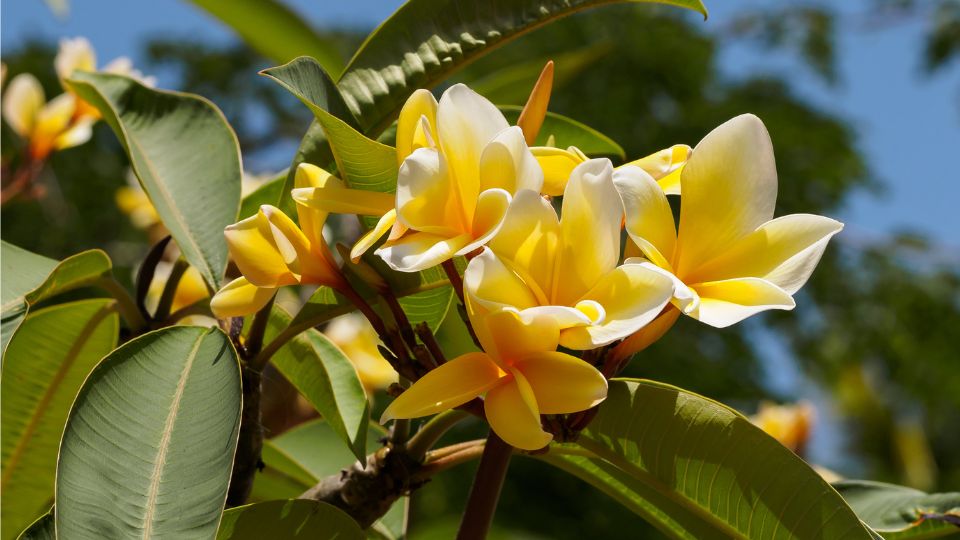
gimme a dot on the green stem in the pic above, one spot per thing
(170, 290)
(431, 432)
(486, 489)
(126, 305)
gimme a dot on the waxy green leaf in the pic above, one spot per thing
(186, 156)
(902, 513)
(148, 448)
(568, 132)
(47, 361)
(696, 469)
(290, 520)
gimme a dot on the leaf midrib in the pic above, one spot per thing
(168, 425)
(85, 334)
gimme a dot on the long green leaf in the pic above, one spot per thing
(568, 132)
(289, 520)
(425, 41)
(148, 448)
(275, 31)
(47, 361)
(324, 375)
(361, 162)
(28, 278)
(901, 513)
(186, 156)
(697, 469)
(430, 306)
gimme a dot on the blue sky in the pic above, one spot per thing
(907, 123)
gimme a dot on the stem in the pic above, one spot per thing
(486, 489)
(426, 336)
(257, 328)
(126, 305)
(23, 178)
(250, 442)
(454, 277)
(431, 432)
(170, 289)
(450, 460)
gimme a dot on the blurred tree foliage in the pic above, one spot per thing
(876, 326)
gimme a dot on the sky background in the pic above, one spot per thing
(908, 123)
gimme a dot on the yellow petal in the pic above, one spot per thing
(75, 135)
(647, 335)
(729, 189)
(190, 289)
(529, 239)
(240, 298)
(466, 122)
(493, 286)
(783, 251)
(410, 134)
(427, 198)
(512, 411)
(557, 164)
(665, 166)
(450, 385)
(263, 251)
(723, 303)
(562, 383)
(74, 55)
(52, 121)
(22, 103)
(649, 219)
(533, 113)
(419, 251)
(371, 237)
(631, 295)
(341, 200)
(508, 337)
(590, 231)
(507, 163)
(492, 206)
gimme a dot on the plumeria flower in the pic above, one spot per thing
(520, 373)
(460, 166)
(190, 289)
(568, 267)
(46, 126)
(358, 340)
(789, 424)
(729, 257)
(77, 54)
(271, 251)
(664, 166)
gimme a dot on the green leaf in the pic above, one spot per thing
(324, 375)
(430, 306)
(297, 459)
(47, 361)
(569, 132)
(28, 278)
(898, 512)
(148, 448)
(41, 529)
(425, 41)
(362, 163)
(268, 193)
(275, 31)
(697, 469)
(295, 519)
(186, 156)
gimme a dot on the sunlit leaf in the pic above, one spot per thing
(326, 378)
(186, 156)
(697, 469)
(52, 353)
(425, 41)
(901, 513)
(148, 447)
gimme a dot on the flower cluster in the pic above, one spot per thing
(471, 185)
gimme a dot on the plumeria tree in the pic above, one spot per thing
(508, 264)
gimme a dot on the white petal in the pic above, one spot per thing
(507, 163)
(419, 251)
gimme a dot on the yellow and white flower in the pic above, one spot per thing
(568, 267)
(46, 126)
(358, 340)
(730, 258)
(520, 373)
